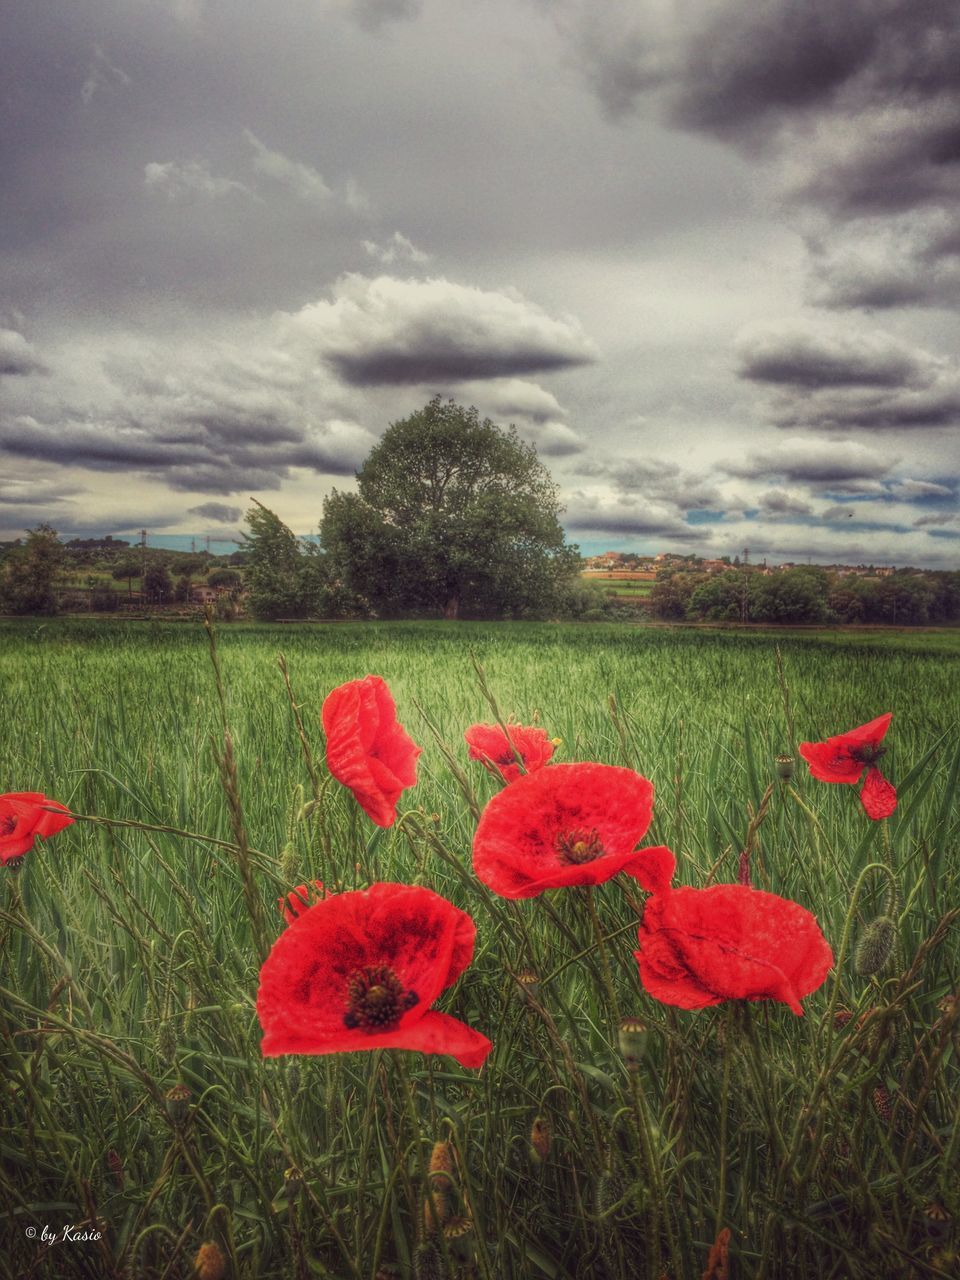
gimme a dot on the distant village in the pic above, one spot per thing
(629, 565)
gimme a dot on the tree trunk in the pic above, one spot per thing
(452, 608)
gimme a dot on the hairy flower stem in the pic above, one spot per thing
(651, 1158)
(614, 1004)
(422, 1165)
(724, 1112)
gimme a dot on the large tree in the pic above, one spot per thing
(452, 514)
(29, 569)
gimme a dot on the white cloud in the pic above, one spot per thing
(177, 180)
(303, 180)
(396, 249)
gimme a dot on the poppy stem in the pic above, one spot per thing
(724, 1111)
(430, 1199)
(604, 958)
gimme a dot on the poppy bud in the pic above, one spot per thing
(632, 1038)
(540, 1140)
(178, 1103)
(210, 1264)
(785, 766)
(441, 1166)
(167, 1042)
(841, 1018)
(307, 810)
(289, 864)
(874, 947)
(115, 1165)
(428, 1262)
(881, 1103)
(610, 1191)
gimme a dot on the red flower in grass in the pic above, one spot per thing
(699, 947)
(299, 900)
(360, 970)
(368, 750)
(844, 758)
(569, 824)
(498, 751)
(25, 815)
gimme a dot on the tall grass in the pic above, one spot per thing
(828, 1145)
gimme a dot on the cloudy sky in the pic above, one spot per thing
(704, 253)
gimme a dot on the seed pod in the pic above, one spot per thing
(632, 1038)
(540, 1140)
(529, 983)
(458, 1234)
(178, 1103)
(785, 766)
(210, 1263)
(428, 1261)
(875, 946)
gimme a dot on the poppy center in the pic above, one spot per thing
(6, 825)
(376, 999)
(507, 758)
(579, 846)
(869, 753)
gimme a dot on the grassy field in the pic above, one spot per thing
(830, 1148)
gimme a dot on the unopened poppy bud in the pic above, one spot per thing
(167, 1042)
(785, 766)
(210, 1264)
(289, 864)
(610, 1191)
(115, 1165)
(178, 1103)
(875, 946)
(529, 983)
(441, 1166)
(540, 1140)
(632, 1038)
(307, 810)
(428, 1262)
(881, 1103)
(841, 1018)
(435, 818)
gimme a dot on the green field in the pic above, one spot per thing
(130, 964)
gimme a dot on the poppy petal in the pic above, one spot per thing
(840, 758)
(304, 997)
(497, 750)
(367, 749)
(25, 815)
(432, 1033)
(879, 797)
(699, 947)
(518, 845)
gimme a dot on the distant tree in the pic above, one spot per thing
(26, 585)
(285, 577)
(229, 579)
(181, 591)
(156, 583)
(126, 569)
(670, 596)
(452, 515)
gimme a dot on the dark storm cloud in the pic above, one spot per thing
(777, 502)
(802, 357)
(658, 480)
(373, 14)
(386, 331)
(217, 511)
(634, 524)
(856, 104)
(817, 462)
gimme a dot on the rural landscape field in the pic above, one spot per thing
(738, 1140)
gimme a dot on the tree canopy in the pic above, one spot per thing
(452, 515)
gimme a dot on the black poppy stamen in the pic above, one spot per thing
(577, 847)
(376, 999)
(869, 753)
(7, 825)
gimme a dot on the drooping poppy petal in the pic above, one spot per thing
(25, 816)
(299, 900)
(699, 947)
(569, 824)
(359, 970)
(878, 797)
(498, 751)
(844, 757)
(368, 750)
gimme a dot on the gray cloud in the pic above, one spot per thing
(778, 502)
(374, 14)
(936, 519)
(216, 511)
(178, 181)
(807, 356)
(816, 461)
(397, 248)
(386, 331)
(17, 357)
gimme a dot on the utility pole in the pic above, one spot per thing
(143, 561)
(744, 601)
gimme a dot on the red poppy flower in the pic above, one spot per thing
(498, 751)
(360, 970)
(25, 815)
(299, 900)
(699, 947)
(569, 824)
(844, 758)
(368, 750)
